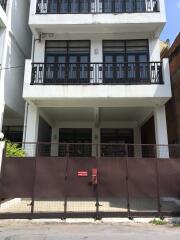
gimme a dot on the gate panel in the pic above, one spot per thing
(17, 185)
(17, 177)
(112, 185)
(169, 181)
(81, 195)
(50, 183)
(143, 186)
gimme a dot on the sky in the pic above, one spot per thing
(172, 27)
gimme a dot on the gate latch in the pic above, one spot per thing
(94, 176)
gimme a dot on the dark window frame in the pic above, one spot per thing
(67, 52)
(75, 144)
(135, 73)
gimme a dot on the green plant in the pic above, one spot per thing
(14, 150)
(158, 222)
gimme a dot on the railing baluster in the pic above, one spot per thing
(94, 6)
(97, 73)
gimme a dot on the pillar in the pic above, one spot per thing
(161, 135)
(137, 142)
(55, 142)
(31, 129)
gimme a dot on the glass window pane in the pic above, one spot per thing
(119, 6)
(64, 6)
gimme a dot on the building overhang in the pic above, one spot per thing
(97, 23)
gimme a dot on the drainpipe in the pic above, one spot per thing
(25, 122)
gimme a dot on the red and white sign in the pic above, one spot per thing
(82, 173)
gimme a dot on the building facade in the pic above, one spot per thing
(173, 105)
(15, 47)
(95, 73)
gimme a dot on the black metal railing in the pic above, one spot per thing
(133, 73)
(3, 4)
(96, 6)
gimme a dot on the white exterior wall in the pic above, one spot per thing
(96, 28)
(15, 39)
(96, 44)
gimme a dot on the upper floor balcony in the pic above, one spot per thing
(124, 73)
(106, 16)
(52, 84)
(96, 6)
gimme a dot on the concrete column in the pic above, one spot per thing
(137, 142)
(31, 128)
(161, 132)
(95, 140)
(55, 142)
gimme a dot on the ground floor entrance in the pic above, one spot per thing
(80, 141)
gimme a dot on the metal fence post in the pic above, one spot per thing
(2, 170)
(97, 187)
(157, 186)
(34, 181)
(127, 182)
(66, 180)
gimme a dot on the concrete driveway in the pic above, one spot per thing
(11, 230)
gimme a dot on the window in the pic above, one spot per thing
(113, 142)
(78, 138)
(125, 60)
(67, 61)
(13, 133)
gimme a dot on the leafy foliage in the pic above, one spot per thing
(14, 150)
(158, 222)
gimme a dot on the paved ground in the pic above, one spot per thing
(12, 230)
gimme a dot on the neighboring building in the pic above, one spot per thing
(95, 73)
(15, 47)
(173, 105)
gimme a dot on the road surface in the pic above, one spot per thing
(12, 230)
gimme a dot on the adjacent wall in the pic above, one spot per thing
(16, 48)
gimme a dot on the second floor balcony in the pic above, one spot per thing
(96, 6)
(126, 73)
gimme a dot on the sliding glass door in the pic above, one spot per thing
(126, 61)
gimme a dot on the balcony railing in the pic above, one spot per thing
(97, 73)
(96, 6)
(3, 4)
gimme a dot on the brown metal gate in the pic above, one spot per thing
(98, 186)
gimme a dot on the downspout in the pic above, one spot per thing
(25, 122)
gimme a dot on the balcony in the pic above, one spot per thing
(130, 73)
(96, 6)
(3, 4)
